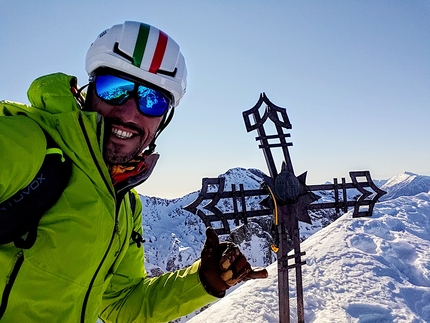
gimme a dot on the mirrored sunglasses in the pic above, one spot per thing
(116, 90)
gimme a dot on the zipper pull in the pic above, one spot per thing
(116, 227)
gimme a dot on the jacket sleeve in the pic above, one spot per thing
(133, 297)
(22, 151)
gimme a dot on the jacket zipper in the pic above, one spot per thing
(114, 231)
(8, 287)
(87, 295)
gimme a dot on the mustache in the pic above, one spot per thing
(115, 121)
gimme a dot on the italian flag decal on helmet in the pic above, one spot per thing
(154, 54)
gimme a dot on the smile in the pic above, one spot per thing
(121, 133)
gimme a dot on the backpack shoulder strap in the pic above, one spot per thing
(21, 213)
(135, 236)
(132, 198)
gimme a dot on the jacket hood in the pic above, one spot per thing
(54, 108)
(52, 93)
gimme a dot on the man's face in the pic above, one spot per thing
(127, 131)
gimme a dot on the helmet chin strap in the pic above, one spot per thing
(77, 92)
(164, 123)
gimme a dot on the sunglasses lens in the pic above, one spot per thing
(152, 102)
(114, 90)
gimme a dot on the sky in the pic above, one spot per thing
(354, 77)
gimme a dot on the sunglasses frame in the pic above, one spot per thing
(136, 81)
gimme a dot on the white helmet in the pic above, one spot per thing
(142, 51)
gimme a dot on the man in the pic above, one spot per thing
(87, 259)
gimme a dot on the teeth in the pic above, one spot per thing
(121, 134)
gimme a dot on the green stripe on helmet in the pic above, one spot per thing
(140, 46)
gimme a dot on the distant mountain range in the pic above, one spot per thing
(174, 237)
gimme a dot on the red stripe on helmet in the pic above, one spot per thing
(159, 52)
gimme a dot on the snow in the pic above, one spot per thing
(174, 237)
(406, 184)
(365, 270)
(358, 270)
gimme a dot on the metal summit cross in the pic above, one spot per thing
(288, 199)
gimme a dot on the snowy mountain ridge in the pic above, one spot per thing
(358, 270)
(174, 237)
(406, 184)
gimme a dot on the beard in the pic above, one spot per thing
(116, 153)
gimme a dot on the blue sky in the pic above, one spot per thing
(354, 77)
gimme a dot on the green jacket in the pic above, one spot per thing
(84, 263)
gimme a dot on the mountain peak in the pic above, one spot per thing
(406, 184)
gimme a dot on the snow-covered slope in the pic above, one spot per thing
(358, 270)
(371, 270)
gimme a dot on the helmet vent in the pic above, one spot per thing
(171, 74)
(116, 50)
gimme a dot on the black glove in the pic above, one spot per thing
(223, 265)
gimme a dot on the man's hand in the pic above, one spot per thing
(223, 265)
